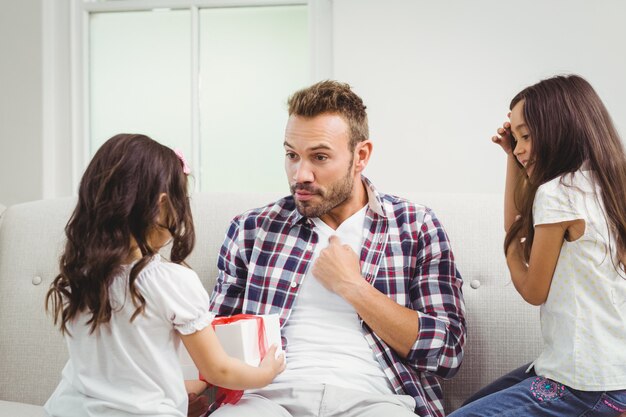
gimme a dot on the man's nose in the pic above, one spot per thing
(303, 172)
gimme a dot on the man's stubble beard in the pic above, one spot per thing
(338, 193)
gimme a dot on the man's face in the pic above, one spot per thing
(318, 163)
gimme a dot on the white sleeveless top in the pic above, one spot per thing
(583, 321)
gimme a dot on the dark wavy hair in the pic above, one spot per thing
(332, 97)
(118, 199)
(569, 125)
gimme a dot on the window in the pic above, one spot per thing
(197, 75)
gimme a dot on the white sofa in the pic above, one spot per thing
(503, 331)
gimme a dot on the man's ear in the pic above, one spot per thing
(362, 153)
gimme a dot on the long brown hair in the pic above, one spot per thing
(569, 125)
(118, 199)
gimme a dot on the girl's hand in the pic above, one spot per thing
(272, 363)
(504, 138)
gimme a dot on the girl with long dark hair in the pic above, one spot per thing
(122, 307)
(565, 246)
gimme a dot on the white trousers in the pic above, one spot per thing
(317, 400)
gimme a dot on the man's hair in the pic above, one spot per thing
(332, 97)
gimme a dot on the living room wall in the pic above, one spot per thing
(21, 176)
(437, 77)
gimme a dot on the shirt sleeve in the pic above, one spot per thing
(180, 296)
(436, 295)
(555, 203)
(228, 294)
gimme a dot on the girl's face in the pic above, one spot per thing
(521, 133)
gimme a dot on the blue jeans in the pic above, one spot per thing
(526, 394)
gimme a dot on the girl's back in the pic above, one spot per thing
(117, 370)
(582, 321)
(123, 310)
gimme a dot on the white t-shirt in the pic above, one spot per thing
(583, 320)
(325, 341)
(132, 368)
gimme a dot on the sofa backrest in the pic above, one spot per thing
(503, 330)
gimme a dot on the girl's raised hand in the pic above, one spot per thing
(504, 138)
(275, 364)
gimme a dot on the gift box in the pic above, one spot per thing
(243, 336)
(247, 337)
(240, 338)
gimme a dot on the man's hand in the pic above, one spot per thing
(338, 268)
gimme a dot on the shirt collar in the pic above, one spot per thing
(375, 203)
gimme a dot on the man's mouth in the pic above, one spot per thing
(304, 193)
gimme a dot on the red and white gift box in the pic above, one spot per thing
(248, 337)
(243, 336)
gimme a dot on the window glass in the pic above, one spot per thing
(251, 60)
(140, 76)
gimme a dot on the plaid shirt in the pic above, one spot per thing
(406, 255)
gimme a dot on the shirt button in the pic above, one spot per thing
(293, 284)
(309, 248)
(475, 284)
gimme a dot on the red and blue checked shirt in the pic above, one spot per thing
(406, 255)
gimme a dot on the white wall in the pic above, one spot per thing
(20, 101)
(437, 77)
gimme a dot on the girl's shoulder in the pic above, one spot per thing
(167, 275)
(158, 264)
(572, 182)
(175, 293)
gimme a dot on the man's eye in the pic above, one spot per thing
(321, 157)
(290, 155)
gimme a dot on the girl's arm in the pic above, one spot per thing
(533, 281)
(195, 386)
(513, 173)
(225, 371)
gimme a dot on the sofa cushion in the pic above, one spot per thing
(503, 331)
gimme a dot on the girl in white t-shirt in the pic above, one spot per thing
(122, 308)
(565, 218)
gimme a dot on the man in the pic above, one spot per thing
(365, 283)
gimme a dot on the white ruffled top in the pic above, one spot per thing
(128, 368)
